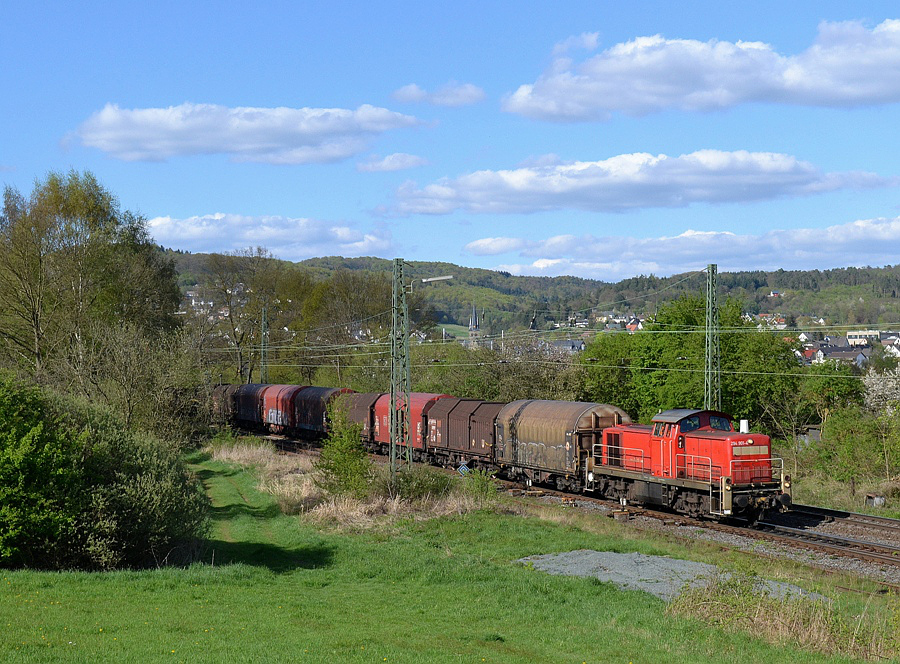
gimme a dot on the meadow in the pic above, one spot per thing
(276, 587)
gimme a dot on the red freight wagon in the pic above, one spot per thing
(419, 405)
(278, 406)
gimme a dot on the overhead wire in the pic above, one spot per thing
(587, 366)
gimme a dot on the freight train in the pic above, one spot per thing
(690, 461)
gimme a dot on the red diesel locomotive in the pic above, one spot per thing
(691, 461)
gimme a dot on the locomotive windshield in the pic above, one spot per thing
(702, 420)
(689, 423)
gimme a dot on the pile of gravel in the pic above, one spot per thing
(663, 577)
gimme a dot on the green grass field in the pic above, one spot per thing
(274, 589)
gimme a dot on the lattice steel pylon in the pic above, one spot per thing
(400, 380)
(264, 348)
(712, 397)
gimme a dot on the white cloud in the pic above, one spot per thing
(586, 40)
(393, 162)
(491, 246)
(288, 238)
(271, 135)
(848, 65)
(863, 242)
(451, 94)
(630, 181)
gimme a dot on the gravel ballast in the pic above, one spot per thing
(670, 526)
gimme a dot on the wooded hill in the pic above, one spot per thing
(853, 296)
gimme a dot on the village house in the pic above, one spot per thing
(569, 345)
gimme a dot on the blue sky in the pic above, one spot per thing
(600, 139)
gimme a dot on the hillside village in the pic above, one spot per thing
(856, 347)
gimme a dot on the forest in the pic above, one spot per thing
(845, 296)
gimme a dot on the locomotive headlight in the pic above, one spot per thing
(590, 477)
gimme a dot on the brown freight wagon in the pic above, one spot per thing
(361, 410)
(248, 403)
(448, 423)
(482, 429)
(311, 408)
(552, 437)
(223, 402)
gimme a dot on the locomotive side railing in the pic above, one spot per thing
(694, 467)
(627, 458)
(753, 471)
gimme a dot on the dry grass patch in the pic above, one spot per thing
(294, 492)
(347, 513)
(290, 478)
(264, 456)
(817, 488)
(549, 513)
(736, 603)
(293, 479)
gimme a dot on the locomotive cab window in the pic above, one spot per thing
(690, 423)
(720, 423)
(657, 429)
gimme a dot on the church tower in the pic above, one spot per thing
(474, 329)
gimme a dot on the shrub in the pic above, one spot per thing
(851, 445)
(415, 483)
(480, 485)
(77, 490)
(344, 467)
(39, 478)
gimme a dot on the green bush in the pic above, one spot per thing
(422, 482)
(77, 490)
(481, 486)
(851, 445)
(344, 467)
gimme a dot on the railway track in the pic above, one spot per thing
(869, 520)
(872, 552)
(868, 551)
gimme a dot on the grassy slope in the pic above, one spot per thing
(274, 589)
